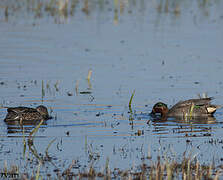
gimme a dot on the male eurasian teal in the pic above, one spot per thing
(27, 114)
(193, 108)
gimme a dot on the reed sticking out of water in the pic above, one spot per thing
(5, 167)
(89, 78)
(38, 170)
(85, 144)
(107, 167)
(89, 74)
(191, 110)
(33, 150)
(30, 141)
(24, 143)
(43, 91)
(6, 13)
(77, 87)
(51, 142)
(62, 6)
(56, 85)
(149, 153)
(130, 101)
(35, 129)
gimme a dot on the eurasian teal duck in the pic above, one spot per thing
(27, 114)
(201, 107)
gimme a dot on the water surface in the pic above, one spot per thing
(165, 51)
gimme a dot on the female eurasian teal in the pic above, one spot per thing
(193, 108)
(27, 114)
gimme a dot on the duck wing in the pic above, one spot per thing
(201, 107)
(196, 102)
(21, 109)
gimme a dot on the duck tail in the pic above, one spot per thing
(5, 107)
(212, 108)
(218, 106)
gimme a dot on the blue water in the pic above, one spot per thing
(163, 56)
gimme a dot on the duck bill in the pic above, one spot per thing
(152, 113)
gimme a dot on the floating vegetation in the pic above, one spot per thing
(69, 93)
(85, 92)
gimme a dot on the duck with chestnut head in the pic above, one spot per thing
(201, 107)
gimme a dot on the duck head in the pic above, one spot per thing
(160, 108)
(43, 111)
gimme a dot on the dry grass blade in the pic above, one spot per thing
(191, 110)
(35, 129)
(34, 151)
(56, 85)
(77, 87)
(89, 74)
(217, 175)
(169, 170)
(5, 167)
(107, 166)
(38, 170)
(88, 79)
(24, 143)
(51, 142)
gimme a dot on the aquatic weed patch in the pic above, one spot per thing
(187, 168)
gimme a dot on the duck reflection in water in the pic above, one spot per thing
(185, 120)
(22, 127)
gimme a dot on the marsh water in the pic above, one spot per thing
(163, 50)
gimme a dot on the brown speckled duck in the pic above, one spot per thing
(201, 107)
(27, 114)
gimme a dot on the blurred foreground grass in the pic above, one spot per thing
(64, 9)
(188, 168)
